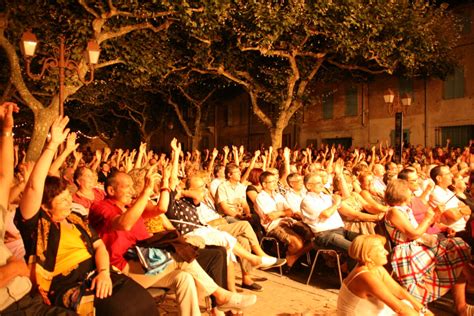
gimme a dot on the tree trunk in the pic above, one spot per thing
(276, 134)
(195, 141)
(43, 120)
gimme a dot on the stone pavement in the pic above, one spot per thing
(281, 296)
(290, 296)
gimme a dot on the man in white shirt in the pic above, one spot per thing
(296, 193)
(320, 214)
(231, 195)
(455, 212)
(280, 221)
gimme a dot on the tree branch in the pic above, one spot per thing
(360, 68)
(101, 37)
(89, 9)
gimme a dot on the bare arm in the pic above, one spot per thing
(401, 222)
(59, 161)
(244, 177)
(127, 219)
(32, 196)
(6, 151)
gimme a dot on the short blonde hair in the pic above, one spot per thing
(362, 246)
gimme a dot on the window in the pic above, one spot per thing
(328, 106)
(352, 101)
(459, 135)
(406, 86)
(454, 85)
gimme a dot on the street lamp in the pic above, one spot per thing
(60, 60)
(397, 105)
(394, 105)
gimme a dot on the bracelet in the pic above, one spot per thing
(103, 270)
(49, 148)
(165, 189)
(6, 134)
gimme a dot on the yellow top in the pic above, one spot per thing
(71, 251)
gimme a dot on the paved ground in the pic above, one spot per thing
(289, 295)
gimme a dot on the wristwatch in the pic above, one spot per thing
(423, 310)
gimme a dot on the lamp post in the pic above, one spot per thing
(399, 106)
(60, 60)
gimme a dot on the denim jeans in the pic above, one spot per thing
(338, 239)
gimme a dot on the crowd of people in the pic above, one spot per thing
(84, 233)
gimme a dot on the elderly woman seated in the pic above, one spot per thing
(369, 289)
(426, 265)
(71, 263)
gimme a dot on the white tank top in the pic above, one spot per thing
(349, 304)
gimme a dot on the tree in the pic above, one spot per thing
(188, 94)
(281, 52)
(110, 24)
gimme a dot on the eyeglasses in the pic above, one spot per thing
(271, 181)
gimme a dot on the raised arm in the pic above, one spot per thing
(176, 151)
(244, 177)
(6, 152)
(59, 161)
(33, 194)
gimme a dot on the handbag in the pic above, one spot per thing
(172, 241)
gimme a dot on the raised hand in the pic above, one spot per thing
(6, 115)
(142, 148)
(59, 131)
(226, 150)
(286, 154)
(215, 152)
(71, 142)
(77, 155)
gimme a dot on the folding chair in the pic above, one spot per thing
(277, 244)
(325, 251)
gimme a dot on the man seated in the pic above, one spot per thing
(118, 220)
(231, 195)
(183, 213)
(241, 230)
(280, 221)
(320, 214)
(455, 213)
(295, 194)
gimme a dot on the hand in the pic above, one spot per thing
(102, 285)
(286, 154)
(98, 155)
(71, 142)
(142, 148)
(151, 178)
(59, 131)
(339, 166)
(333, 150)
(6, 115)
(77, 155)
(336, 199)
(390, 152)
(241, 149)
(215, 152)
(226, 150)
(256, 154)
